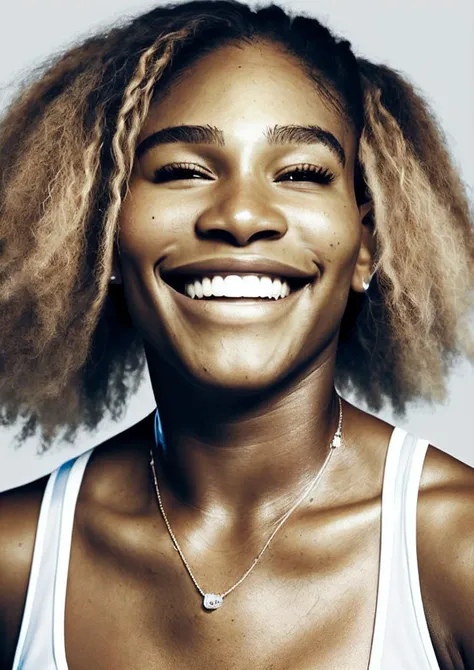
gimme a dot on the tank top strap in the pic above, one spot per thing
(401, 630)
(408, 545)
(39, 642)
(388, 514)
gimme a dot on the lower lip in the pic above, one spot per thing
(237, 309)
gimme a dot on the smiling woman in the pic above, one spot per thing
(232, 198)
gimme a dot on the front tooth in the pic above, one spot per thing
(265, 287)
(217, 285)
(276, 289)
(198, 288)
(250, 286)
(207, 287)
(233, 286)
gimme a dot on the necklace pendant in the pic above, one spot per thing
(212, 601)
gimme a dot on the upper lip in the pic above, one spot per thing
(254, 265)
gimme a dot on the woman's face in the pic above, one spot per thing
(239, 208)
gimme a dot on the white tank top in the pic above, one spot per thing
(401, 639)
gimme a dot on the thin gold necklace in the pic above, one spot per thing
(212, 601)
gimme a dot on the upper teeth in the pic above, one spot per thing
(233, 286)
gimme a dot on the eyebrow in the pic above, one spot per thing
(276, 136)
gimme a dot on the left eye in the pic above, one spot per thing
(176, 171)
(306, 172)
(309, 172)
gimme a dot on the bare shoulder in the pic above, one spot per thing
(19, 512)
(445, 545)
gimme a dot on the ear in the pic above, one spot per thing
(365, 259)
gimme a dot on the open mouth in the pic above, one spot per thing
(231, 286)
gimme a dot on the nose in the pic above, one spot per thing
(242, 216)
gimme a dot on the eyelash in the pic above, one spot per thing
(322, 175)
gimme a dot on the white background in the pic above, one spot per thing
(431, 42)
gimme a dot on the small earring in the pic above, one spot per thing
(365, 285)
(113, 277)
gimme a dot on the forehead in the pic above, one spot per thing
(244, 89)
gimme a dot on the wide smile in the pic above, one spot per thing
(238, 289)
(228, 312)
(232, 287)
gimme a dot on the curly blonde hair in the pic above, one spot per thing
(69, 351)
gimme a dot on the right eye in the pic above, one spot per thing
(177, 171)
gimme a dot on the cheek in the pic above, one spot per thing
(334, 234)
(144, 230)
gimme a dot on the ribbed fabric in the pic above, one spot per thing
(401, 639)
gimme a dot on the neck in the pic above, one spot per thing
(229, 457)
